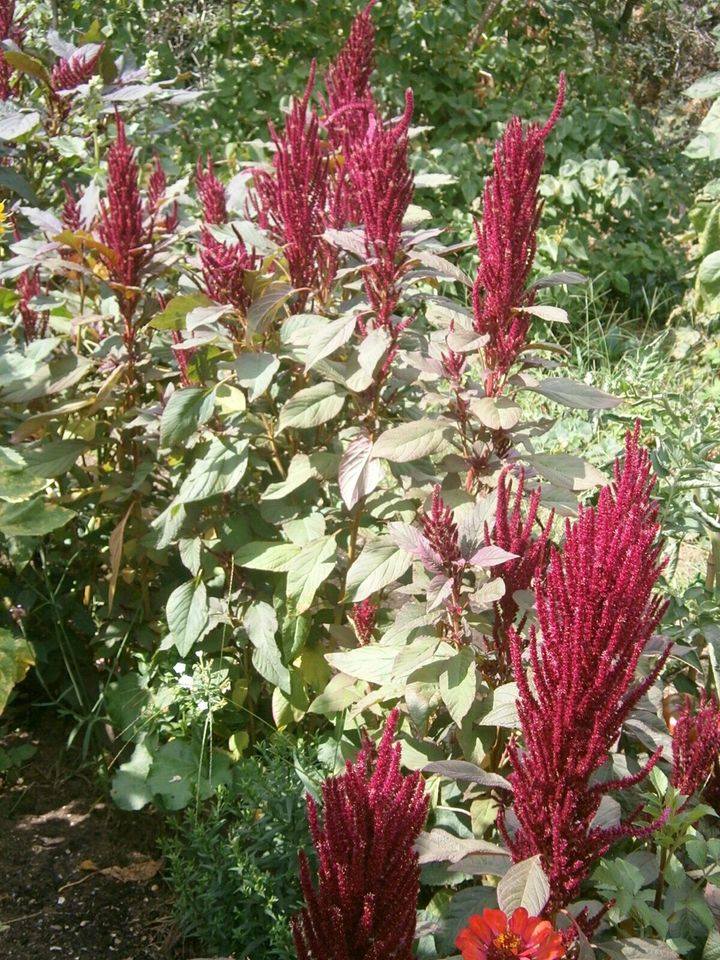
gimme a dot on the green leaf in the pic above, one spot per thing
(299, 472)
(260, 622)
(130, 789)
(372, 663)
(309, 570)
(409, 441)
(55, 459)
(255, 372)
(566, 471)
(458, 685)
(380, 563)
(173, 316)
(579, 396)
(187, 615)
(20, 484)
(16, 658)
(24, 63)
(186, 410)
(220, 470)
(546, 312)
(311, 407)
(501, 707)
(638, 948)
(181, 769)
(358, 474)
(33, 518)
(469, 772)
(260, 555)
(524, 885)
(333, 335)
(708, 277)
(496, 413)
(704, 88)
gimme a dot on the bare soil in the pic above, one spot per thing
(79, 879)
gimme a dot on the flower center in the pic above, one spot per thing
(505, 947)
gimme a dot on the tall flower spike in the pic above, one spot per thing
(696, 745)
(34, 323)
(292, 200)
(211, 192)
(513, 531)
(70, 214)
(157, 186)
(382, 184)
(597, 611)
(364, 906)
(9, 30)
(121, 227)
(68, 73)
(349, 100)
(506, 243)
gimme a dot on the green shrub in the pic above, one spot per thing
(233, 863)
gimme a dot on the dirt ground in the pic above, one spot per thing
(79, 879)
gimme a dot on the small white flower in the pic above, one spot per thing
(179, 668)
(186, 682)
(202, 705)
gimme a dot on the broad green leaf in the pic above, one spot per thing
(16, 125)
(220, 470)
(567, 471)
(186, 410)
(524, 885)
(16, 658)
(33, 518)
(496, 413)
(299, 472)
(469, 772)
(56, 458)
(20, 484)
(174, 314)
(579, 396)
(263, 309)
(309, 570)
(358, 474)
(255, 371)
(187, 615)
(704, 88)
(311, 407)
(273, 557)
(409, 441)
(458, 685)
(371, 663)
(180, 770)
(546, 312)
(638, 948)
(260, 622)
(708, 277)
(501, 707)
(130, 789)
(339, 694)
(333, 335)
(24, 63)
(380, 564)
(440, 846)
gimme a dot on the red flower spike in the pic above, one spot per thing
(364, 907)
(71, 72)
(382, 185)
(597, 611)
(492, 935)
(350, 102)
(9, 30)
(293, 199)
(121, 226)
(696, 744)
(506, 243)
(157, 185)
(363, 616)
(70, 214)
(211, 192)
(513, 531)
(34, 323)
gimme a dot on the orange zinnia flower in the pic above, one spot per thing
(492, 936)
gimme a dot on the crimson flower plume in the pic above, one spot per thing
(364, 905)
(696, 744)
(9, 30)
(506, 243)
(597, 610)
